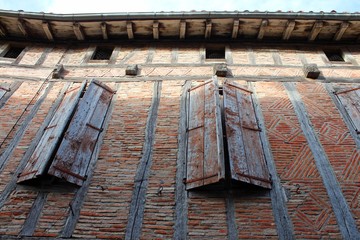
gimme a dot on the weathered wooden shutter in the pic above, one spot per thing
(246, 157)
(41, 157)
(205, 159)
(350, 99)
(73, 156)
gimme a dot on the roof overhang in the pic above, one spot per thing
(300, 27)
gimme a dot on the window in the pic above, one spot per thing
(12, 52)
(215, 53)
(212, 158)
(102, 53)
(350, 99)
(334, 55)
(66, 146)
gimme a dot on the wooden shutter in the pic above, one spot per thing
(4, 88)
(73, 156)
(205, 160)
(246, 157)
(350, 99)
(41, 157)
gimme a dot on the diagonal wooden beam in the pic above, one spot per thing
(182, 29)
(47, 29)
(3, 31)
(315, 30)
(104, 30)
(208, 27)
(341, 31)
(78, 31)
(22, 27)
(156, 30)
(130, 31)
(235, 30)
(263, 26)
(289, 29)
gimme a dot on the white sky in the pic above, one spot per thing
(91, 6)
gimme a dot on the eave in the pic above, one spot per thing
(204, 26)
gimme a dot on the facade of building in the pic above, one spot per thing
(191, 125)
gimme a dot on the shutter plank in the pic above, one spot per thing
(247, 161)
(351, 102)
(73, 156)
(4, 88)
(205, 163)
(40, 159)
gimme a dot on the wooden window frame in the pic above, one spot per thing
(67, 144)
(223, 149)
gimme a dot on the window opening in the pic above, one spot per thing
(215, 53)
(13, 52)
(334, 55)
(102, 53)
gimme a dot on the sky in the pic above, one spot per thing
(102, 6)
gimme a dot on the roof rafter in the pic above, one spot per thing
(263, 26)
(47, 29)
(22, 27)
(130, 31)
(235, 30)
(78, 31)
(342, 28)
(182, 29)
(104, 30)
(156, 30)
(315, 30)
(290, 25)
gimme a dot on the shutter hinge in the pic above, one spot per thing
(346, 91)
(243, 89)
(251, 128)
(5, 89)
(201, 178)
(254, 177)
(94, 127)
(48, 127)
(188, 130)
(70, 173)
(73, 89)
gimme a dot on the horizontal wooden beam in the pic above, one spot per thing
(130, 31)
(47, 29)
(156, 30)
(315, 30)
(182, 29)
(289, 29)
(104, 30)
(263, 26)
(235, 30)
(341, 31)
(208, 27)
(78, 31)
(22, 27)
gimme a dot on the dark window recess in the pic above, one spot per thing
(13, 52)
(102, 53)
(215, 53)
(334, 56)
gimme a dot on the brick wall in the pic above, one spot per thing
(104, 207)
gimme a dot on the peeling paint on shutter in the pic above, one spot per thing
(350, 99)
(41, 157)
(73, 156)
(246, 157)
(205, 159)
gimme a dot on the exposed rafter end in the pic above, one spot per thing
(47, 29)
(3, 31)
(235, 30)
(263, 26)
(289, 29)
(208, 29)
(22, 27)
(182, 29)
(104, 30)
(341, 31)
(78, 31)
(130, 31)
(315, 30)
(156, 30)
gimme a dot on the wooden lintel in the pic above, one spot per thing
(156, 30)
(341, 31)
(315, 30)
(235, 30)
(104, 30)
(47, 29)
(208, 29)
(289, 29)
(182, 29)
(78, 31)
(3, 31)
(22, 27)
(130, 32)
(263, 25)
